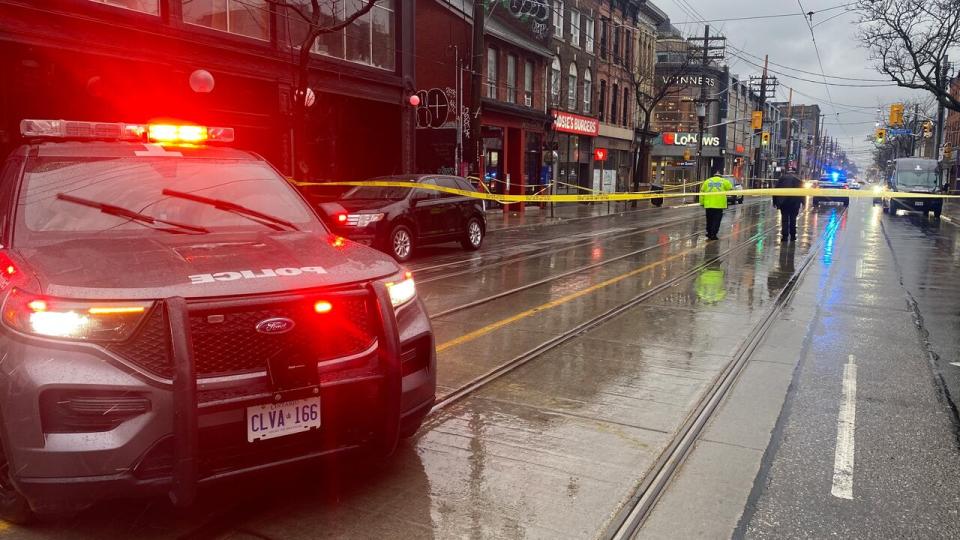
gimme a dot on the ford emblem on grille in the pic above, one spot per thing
(276, 325)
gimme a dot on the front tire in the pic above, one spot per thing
(400, 243)
(473, 235)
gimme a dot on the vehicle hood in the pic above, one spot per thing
(201, 266)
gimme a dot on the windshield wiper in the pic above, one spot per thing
(134, 216)
(227, 206)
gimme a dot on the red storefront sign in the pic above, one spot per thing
(600, 154)
(574, 123)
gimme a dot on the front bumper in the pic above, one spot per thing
(916, 205)
(195, 433)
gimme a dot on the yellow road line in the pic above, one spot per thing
(559, 301)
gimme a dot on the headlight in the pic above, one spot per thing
(808, 185)
(402, 291)
(362, 220)
(879, 189)
(70, 319)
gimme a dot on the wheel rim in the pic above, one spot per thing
(401, 244)
(474, 233)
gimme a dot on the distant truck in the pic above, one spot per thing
(913, 175)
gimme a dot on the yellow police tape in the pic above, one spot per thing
(643, 195)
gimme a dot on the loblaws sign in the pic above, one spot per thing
(684, 139)
(572, 123)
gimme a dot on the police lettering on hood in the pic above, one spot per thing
(234, 275)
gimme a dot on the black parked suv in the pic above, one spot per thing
(174, 314)
(398, 219)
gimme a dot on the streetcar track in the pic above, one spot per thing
(552, 343)
(562, 275)
(219, 523)
(635, 511)
(540, 252)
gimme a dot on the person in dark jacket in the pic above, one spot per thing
(789, 207)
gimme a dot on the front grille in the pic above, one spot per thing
(149, 348)
(226, 340)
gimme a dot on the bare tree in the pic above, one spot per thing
(318, 17)
(910, 40)
(649, 89)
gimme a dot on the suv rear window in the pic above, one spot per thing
(137, 184)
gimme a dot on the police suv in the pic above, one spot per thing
(174, 313)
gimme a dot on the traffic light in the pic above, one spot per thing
(927, 129)
(765, 138)
(756, 122)
(881, 136)
(896, 114)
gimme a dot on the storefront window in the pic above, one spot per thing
(151, 7)
(369, 40)
(245, 18)
(572, 88)
(587, 90)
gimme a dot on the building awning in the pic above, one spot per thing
(500, 31)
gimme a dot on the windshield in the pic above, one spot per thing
(914, 178)
(136, 185)
(377, 193)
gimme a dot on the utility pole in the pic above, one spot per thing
(767, 84)
(474, 147)
(913, 130)
(945, 68)
(817, 142)
(702, 102)
(789, 128)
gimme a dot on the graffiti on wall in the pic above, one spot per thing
(536, 13)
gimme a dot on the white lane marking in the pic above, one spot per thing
(951, 363)
(846, 424)
(859, 268)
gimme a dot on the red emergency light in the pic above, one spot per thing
(119, 131)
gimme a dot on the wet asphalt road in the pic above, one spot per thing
(886, 301)
(553, 448)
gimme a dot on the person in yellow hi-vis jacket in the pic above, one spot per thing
(714, 204)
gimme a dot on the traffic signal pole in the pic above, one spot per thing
(756, 132)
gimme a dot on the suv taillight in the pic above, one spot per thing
(72, 319)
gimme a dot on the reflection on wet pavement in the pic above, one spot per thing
(553, 448)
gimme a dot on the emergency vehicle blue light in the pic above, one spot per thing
(836, 176)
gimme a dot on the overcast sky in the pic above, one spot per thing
(788, 42)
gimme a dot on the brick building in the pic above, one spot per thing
(513, 101)
(126, 60)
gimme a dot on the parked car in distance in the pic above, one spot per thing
(398, 220)
(738, 186)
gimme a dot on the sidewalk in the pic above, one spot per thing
(951, 211)
(535, 216)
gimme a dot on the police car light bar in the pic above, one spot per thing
(162, 133)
